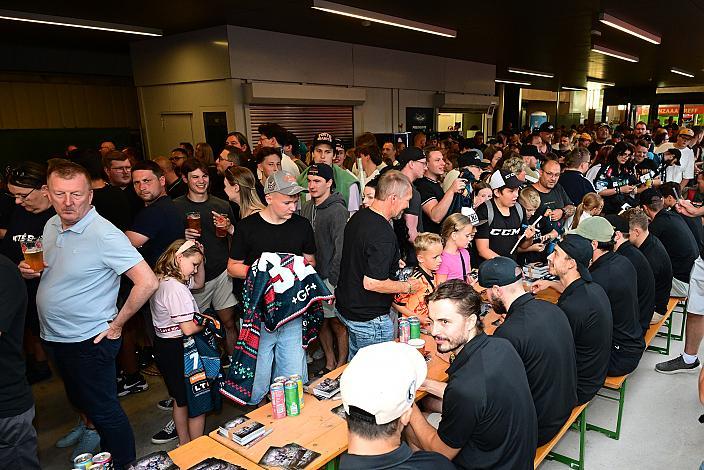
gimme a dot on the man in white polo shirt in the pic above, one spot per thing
(84, 256)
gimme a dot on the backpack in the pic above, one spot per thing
(490, 212)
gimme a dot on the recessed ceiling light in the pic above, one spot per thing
(681, 72)
(614, 53)
(77, 23)
(598, 81)
(530, 72)
(571, 88)
(629, 28)
(358, 13)
(513, 82)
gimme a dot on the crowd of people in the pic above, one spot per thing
(140, 256)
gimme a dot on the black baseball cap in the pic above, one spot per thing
(579, 249)
(546, 127)
(410, 154)
(617, 222)
(648, 196)
(323, 138)
(471, 158)
(499, 271)
(321, 169)
(530, 151)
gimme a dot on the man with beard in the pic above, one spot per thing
(542, 337)
(370, 260)
(492, 423)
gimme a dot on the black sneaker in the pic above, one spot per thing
(131, 384)
(166, 405)
(166, 435)
(676, 366)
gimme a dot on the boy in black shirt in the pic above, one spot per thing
(505, 219)
(378, 388)
(542, 337)
(492, 423)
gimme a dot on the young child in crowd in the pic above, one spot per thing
(457, 231)
(173, 308)
(482, 193)
(428, 248)
(591, 205)
(529, 199)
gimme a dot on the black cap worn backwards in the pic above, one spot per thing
(499, 271)
(580, 250)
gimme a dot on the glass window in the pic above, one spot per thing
(665, 111)
(642, 112)
(693, 115)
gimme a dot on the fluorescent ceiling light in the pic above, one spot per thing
(530, 72)
(629, 28)
(573, 88)
(598, 81)
(614, 53)
(682, 72)
(512, 82)
(358, 13)
(77, 23)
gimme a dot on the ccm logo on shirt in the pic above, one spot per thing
(505, 232)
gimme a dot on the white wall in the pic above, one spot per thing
(228, 57)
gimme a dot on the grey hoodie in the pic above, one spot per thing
(328, 221)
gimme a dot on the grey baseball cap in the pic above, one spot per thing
(282, 182)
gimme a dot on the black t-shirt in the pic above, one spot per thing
(660, 264)
(216, 185)
(645, 167)
(177, 189)
(7, 206)
(432, 191)
(216, 249)
(25, 226)
(503, 233)
(370, 249)
(678, 240)
(254, 236)
(162, 223)
(645, 283)
(402, 458)
(589, 313)
(557, 198)
(260, 191)
(696, 227)
(414, 208)
(112, 203)
(542, 337)
(616, 275)
(487, 408)
(15, 394)
(575, 185)
(136, 202)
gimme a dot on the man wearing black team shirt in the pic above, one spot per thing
(645, 279)
(378, 388)
(615, 274)
(436, 203)
(670, 193)
(657, 257)
(492, 423)
(675, 236)
(369, 264)
(542, 337)
(500, 234)
(19, 439)
(26, 223)
(588, 310)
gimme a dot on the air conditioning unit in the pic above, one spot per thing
(467, 102)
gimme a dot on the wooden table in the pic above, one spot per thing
(317, 428)
(200, 449)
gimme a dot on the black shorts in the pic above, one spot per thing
(622, 363)
(168, 354)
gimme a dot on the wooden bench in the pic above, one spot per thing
(544, 452)
(682, 303)
(654, 329)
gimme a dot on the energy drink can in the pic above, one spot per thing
(103, 459)
(415, 327)
(83, 461)
(297, 378)
(278, 400)
(280, 379)
(404, 330)
(291, 396)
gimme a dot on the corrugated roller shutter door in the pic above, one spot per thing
(305, 121)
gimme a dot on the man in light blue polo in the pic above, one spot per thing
(84, 256)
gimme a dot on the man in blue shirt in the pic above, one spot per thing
(84, 256)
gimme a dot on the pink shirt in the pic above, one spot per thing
(171, 304)
(451, 264)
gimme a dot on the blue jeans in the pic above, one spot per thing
(279, 353)
(88, 371)
(366, 333)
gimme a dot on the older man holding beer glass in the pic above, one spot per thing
(81, 327)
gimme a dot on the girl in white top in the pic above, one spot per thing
(173, 308)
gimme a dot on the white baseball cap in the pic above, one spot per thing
(382, 380)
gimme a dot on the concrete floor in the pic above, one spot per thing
(660, 422)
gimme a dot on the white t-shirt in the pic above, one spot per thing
(674, 173)
(172, 304)
(686, 160)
